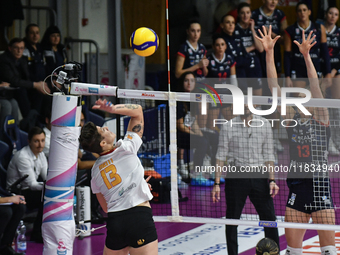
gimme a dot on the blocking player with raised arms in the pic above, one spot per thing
(309, 193)
(118, 181)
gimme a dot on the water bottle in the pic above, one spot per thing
(21, 239)
(293, 76)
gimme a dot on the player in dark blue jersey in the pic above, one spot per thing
(245, 31)
(293, 59)
(221, 64)
(191, 56)
(333, 43)
(332, 90)
(221, 70)
(267, 15)
(246, 66)
(310, 196)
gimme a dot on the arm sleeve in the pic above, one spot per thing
(326, 58)
(25, 167)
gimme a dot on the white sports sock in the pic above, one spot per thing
(328, 250)
(293, 251)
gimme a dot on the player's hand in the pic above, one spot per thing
(104, 105)
(266, 38)
(273, 189)
(252, 24)
(17, 199)
(306, 44)
(4, 84)
(205, 62)
(147, 179)
(289, 82)
(215, 194)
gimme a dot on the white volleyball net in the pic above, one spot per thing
(303, 153)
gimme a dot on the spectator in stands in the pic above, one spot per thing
(267, 246)
(12, 209)
(267, 15)
(241, 147)
(9, 106)
(222, 69)
(191, 56)
(32, 161)
(294, 64)
(332, 90)
(54, 52)
(14, 70)
(36, 64)
(189, 134)
(245, 31)
(245, 64)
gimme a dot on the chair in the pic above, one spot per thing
(15, 138)
(3, 173)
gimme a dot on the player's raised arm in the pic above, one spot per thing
(268, 44)
(135, 111)
(321, 113)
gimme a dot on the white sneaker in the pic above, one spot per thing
(332, 150)
(278, 146)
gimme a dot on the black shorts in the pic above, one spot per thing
(133, 227)
(306, 197)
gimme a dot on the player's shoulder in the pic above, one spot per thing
(279, 13)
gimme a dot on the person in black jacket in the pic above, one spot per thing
(14, 70)
(12, 209)
(53, 51)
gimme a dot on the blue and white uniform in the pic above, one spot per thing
(333, 44)
(192, 56)
(275, 20)
(297, 61)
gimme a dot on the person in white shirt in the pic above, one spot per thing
(245, 143)
(118, 181)
(31, 160)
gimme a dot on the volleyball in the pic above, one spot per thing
(144, 41)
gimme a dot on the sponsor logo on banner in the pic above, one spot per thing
(61, 250)
(66, 138)
(270, 224)
(148, 95)
(76, 88)
(93, 90)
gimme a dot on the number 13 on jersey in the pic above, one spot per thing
(109, 168)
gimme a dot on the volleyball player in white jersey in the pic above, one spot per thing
(118, 181)
(304, 200)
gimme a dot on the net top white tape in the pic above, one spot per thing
(78, 88)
